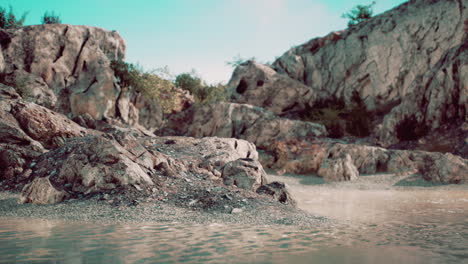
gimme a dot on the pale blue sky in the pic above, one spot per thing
(202, 34)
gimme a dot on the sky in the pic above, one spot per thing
(202, 34)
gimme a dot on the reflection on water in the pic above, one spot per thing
(382, 226)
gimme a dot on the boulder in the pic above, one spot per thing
(43, 125)
(87, 165)
(446, 168)
(244, 173)
(41, 191)
(338, 169)
(279, 191)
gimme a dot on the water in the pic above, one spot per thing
(373, 225)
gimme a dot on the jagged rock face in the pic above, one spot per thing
(125, 158)
(439, 97)
(16, 147)
(241, 121)
(65, 68)
(47, 127)
(411, 59)
(86, 165)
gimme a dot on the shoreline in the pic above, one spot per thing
(260, 212)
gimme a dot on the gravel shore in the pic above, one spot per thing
(96, 210)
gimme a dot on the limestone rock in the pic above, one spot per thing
(41, 191)
(279, 191)
(257, 84)
(446, 168)
(64, 67)
(16, 147)
(338, 169)
(90, 164)
(241, 121)
(244, 173)
(408, 62)
(48, 127)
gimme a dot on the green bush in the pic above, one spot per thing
(51, 18)
(8, 19)
(149, 84)
(359, 14)
(202, 92)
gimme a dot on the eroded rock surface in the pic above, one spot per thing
(242, 121)
(409, 62)
(244, 173)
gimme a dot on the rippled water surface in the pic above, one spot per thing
(426, 225)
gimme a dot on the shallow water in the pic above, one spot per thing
(415, 225)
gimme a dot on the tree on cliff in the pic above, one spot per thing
(9, 20)
(359, 14)
(51, 18)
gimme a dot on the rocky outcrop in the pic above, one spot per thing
(67, 69)
(338, 169)
(336, 161)
(41, 191)
(257, 84)
(242, 121)
(406, 63)
(127, 159)
(279, 191)
(244, 173)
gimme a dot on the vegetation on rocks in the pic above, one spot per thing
(9, 20)
(201, 91)
(359, 14)
(238, 60)
(149, 84)
(51, 18)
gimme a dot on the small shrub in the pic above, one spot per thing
(149, 84)
(410, 129)
(8, 19)
(238, 60)
(202, 92)
(359, 14)
(51, 18)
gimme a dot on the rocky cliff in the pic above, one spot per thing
(398, 79)
(409, 63)
(68, 70)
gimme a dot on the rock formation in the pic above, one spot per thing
(68, 70)
(68, 130)
(242, 121)
(408, 63)
(61, 72)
